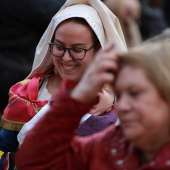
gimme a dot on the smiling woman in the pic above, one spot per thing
(72, 50)
(64, 52)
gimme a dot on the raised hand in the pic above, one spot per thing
(101, 71)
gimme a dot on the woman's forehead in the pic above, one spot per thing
(129, 75)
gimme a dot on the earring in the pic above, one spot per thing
(55, 71)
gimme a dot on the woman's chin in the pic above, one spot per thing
(92, 111)
(131, 133)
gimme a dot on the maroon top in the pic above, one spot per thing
(52, 143)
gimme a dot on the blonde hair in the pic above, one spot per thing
(154, 58)
(164, 36)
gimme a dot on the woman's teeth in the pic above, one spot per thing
(69, 67)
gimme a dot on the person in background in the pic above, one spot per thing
(65, 50)
(141, 141)
(129, 13)
(153, 18)
(166, 7)
(163, 36)
(22, 25)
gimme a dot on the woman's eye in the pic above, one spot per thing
(77, 50)
(117, 96)
(134, 93)
(58, 47)
(107, 90)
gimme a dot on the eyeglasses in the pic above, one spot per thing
(75, 53)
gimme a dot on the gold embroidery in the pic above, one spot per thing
(25, 81)
(1, 153)
(11, 125)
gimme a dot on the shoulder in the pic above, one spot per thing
(22, 104)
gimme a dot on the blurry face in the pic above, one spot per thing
(144, 115)
(104, 101)
(69, 34)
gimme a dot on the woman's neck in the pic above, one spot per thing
(150, 149)
(53, 84)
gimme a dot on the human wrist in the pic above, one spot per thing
(81, 95)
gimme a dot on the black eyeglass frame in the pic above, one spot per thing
(69, 49)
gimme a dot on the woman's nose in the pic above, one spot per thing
(123, 104)
(66, 56)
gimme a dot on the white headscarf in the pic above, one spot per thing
(103, 22)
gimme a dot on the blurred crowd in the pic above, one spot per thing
(22, 24)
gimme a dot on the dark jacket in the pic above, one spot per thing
(22, 23)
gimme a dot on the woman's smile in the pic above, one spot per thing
(69, 67)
